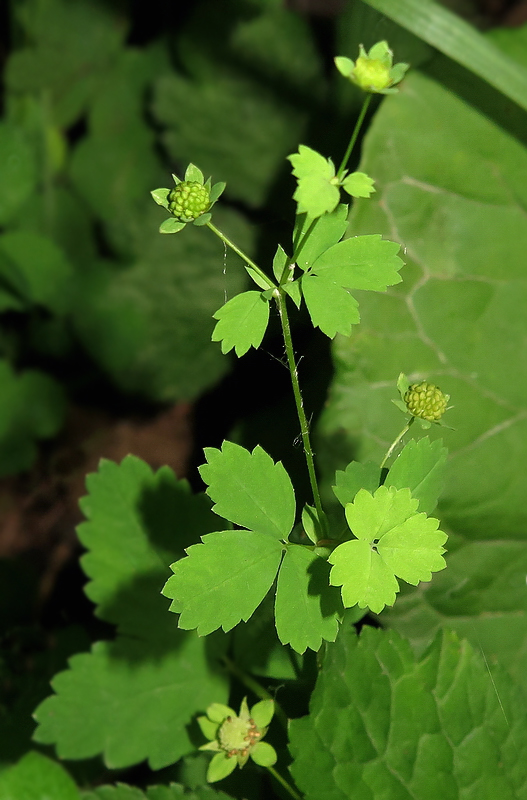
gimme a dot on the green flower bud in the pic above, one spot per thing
(426, 400)
(188, 200)
(373, 72)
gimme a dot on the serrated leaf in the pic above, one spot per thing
(138, 522)
(250, 489)
(130, 509)
(317, 191)
(308, 162)
(223, 580)
(36, 777)
(307, 609)
(391, 540)
(407, 721)
(117, 684)
(358, 184)
(362, 262)
(356, 476)
(242, 323)
(421, 467)
(331, 307)
(324, 232)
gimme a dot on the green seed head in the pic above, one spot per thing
(426, 400)
(371, 74)
(188, 200)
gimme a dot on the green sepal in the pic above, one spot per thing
(217, 712)
(208, 728)
(160, 197)
(194, 173)
(220, 766)
(217, 190)
(264, 754)
(262, 713)
(202, 219)
(171, 225)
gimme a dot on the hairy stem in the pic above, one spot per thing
(280, 297)
(285, 784)
(244, 256)
(396, 441)
(354, 135)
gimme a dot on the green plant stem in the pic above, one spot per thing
(396, 441)
(280, 297)
(255, 687)
(244, 256)
(284, 783)
(354, 135)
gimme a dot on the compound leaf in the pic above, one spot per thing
(307, 609)
(391, 540)
(242, 322)
(324, 232)
(223, 580)
(421, 467)
(362, 262)
(407, 721)
(250, 489)
(331, 307)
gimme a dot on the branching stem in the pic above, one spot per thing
(243, 256)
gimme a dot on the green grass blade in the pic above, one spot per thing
(460, 41)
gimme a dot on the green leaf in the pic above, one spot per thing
(242, 323)
(459, 40)
(223, 580)
(32, 406)
(140, 523)
(173, 791)
(118, 792)
(279, 261)
(330, 306)
(250, 489)
(421, 467)
(324, 232)
(391, 540)
(194, 173)
(17, 171)
(407, 721)
(153, 672)
(317, 191)
(44, 271)
(356, 476)
(307, 609)
(36, 777)
(358, 184)
(362, 262)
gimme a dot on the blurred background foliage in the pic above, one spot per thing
(101, 102)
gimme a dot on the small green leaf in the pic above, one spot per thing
(223, 580)
(279, 262)
(331, 307)
(420, 467)
(194, 173)
(294, 292)
(362, 262)
(171, 225)
(250, 489)
(356, 476)
(324, 232)
(263, 283)
(160, 197)
(365, 579)
(317, 190)
(202, 219)
(358, 184)
(242, 323)
(307, 609)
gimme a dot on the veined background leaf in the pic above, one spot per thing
(153, 672)
(451, 190)
(385, 724)
(456, 38)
